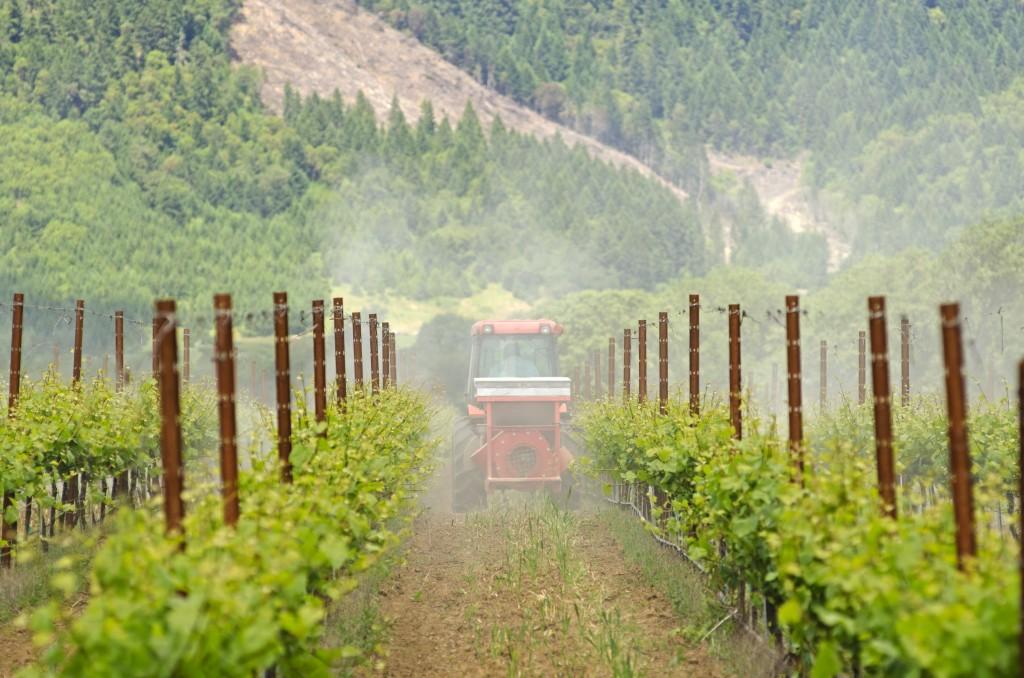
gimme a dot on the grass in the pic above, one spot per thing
(665, 571)
(555, 616)
(696, 607)
(355, 625)
(532, 589)
(29, 583)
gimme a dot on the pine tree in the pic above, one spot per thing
(426, 126)
(361, 125)
(399, 140)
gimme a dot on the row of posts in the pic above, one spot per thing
(592, 386)
(71, 494)
(876, 338)
(169, 373)
(383, 375)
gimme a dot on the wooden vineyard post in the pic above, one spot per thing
(794, 385)
(119, 350)
(10, 530)
(186, 364)
(904, 361)
(641, 358)
(611, 368)
(959, 454)
(393, 353)
(597, 374)
(319, 362)
(357, 350)
(577, 385)
(823, 377)
(882, 404)
(663, 362)
(694, 354)
(74, 492)
(861, 367)
(1020, 507)
(170, 414)
(338, 312)
(76, 366)
(627, 358)
(17, 323)
(283, 385)
(385, 355)
(156, 352)
(121, 482)
(735, 374)
(224, 363)
(374, 356)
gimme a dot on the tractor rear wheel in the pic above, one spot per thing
(568, 497)
(468, 487)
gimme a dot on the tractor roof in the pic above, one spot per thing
(542, 326)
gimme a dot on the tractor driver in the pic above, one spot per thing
(515, 365)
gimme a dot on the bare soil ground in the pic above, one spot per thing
(327, 45)
(16, 649)
(780, 188)
(527, 589)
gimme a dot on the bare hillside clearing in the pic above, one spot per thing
(327, 45)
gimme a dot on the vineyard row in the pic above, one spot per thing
(74, 482)
(802, 524)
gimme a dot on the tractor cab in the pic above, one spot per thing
(512, 436)
(511, 349)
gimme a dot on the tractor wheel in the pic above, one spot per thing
(468, 491)
(568, 497)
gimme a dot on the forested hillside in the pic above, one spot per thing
(849, 81)
(140, 163)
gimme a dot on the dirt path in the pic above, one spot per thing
(525, 588)
(16, 650)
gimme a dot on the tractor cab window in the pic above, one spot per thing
(517, 355)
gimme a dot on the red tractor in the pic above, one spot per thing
(516, 401)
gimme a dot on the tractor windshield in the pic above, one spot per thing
(517, 355)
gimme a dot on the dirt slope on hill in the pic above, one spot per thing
(782, 193)
(326, 45)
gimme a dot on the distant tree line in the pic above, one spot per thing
(138, 162)
(848, 81)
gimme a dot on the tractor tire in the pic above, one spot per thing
(568, 497)
(468, 488)
(468, 493)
